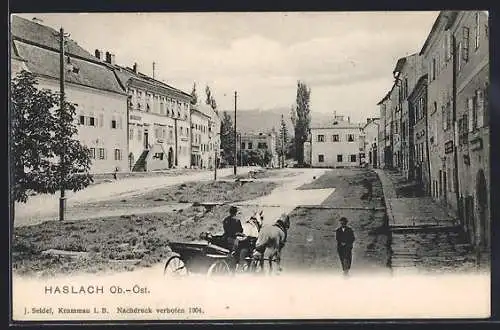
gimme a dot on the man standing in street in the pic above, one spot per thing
(345, 239)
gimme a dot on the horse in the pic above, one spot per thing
(251, 229)
(270, 242)
(244, 243)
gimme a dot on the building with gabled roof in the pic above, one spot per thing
(336, 143)
(92, 86)
(158, 119)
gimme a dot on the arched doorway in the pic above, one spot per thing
(482, 207)
(170, 157)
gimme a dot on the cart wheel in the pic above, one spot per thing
(220, 267)
(175, 267)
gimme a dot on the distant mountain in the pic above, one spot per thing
(256, 120)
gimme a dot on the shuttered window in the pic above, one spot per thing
(479, 108)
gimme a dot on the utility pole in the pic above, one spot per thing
(235, 138)
(62, 161)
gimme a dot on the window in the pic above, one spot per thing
(158, 155)
(336, 138)
(476, 32)
(459, 60)
(447, 46)
(350, 137)
(321, 158)
(250, 145)
(92, 153)
(465, 46)
(339, 158)
(262, 145)
(470, 109)
(102, 153)
(131, 133)
(92, 121)
(353, 158)
(118, 154)
(82, 120)
(113, 124)
(479, 108)
(405, 95)
(433, 69)
(321, 138)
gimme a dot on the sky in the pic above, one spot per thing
(346, 58)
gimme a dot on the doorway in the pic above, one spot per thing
(482, 207)
(170, 157)
(146, 140)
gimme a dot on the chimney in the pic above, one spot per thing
(135, 67)
(112, 59)
(98, 53)
(108, 57)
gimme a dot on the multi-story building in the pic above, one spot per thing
(407, 71)
(101, 110)
(418, 123)
(201, 154)
(447, 118)
(336, 144)
(382, 134)
(214, 126)
(260, 141)
(469, 33)
(158, 120)
(387, 115)
(436, 53)
(370, 138)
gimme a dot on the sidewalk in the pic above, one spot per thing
(425, 237)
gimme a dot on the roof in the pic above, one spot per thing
(197, 111)
(41, 35)
(45, 62)
(447, 15)
(14, 54)
(125, 74)
(399, 65)
(340, 125)
(373, 121)
(421, 81)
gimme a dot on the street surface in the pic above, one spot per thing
(43, 206)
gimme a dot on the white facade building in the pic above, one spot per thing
(336, 144)
(101, 102)
(201, 153)
(158, 121)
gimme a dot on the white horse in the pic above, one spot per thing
(252, 226)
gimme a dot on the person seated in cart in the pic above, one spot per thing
(233, 231)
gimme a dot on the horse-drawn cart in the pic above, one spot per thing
(197, 257)
(211, 257)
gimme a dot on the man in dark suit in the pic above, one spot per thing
(345, 239)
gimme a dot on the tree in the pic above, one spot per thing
(208, 93)
(45, 156)
(213, 104)
(281, 144)
(227, 138)
(194, 95)
(301, 119)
